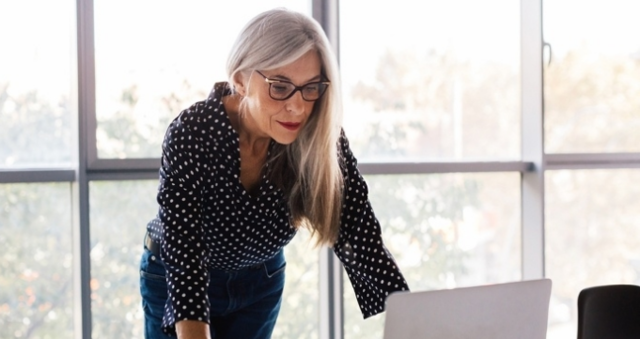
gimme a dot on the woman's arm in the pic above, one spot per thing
(370, 267)
(179, 196)
(191, 329)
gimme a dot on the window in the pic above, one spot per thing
(36, 78)
(590, 217)
(120, 211)
(591, 82)
(477, 174)
(433, 82)
(445, 231)
(436, 84)
(590, 94)
(36, 284)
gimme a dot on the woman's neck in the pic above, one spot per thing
(253, 142)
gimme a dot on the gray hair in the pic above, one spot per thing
(274, 39)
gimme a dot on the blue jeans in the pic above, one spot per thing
(244, 303)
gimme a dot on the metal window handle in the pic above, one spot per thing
(546, 44)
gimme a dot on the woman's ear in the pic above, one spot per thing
(239, 83)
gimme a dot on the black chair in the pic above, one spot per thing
(609, 312)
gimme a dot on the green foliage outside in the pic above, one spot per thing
(34, 131)
(36, 261)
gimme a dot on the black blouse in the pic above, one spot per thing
(208, 220)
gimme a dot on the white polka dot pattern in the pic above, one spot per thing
(207, 219)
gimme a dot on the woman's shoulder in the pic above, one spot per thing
(347, 159)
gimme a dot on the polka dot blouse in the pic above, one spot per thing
(208, 220)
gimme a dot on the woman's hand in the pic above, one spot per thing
(192, 329)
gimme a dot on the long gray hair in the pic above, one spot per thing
(308, 169)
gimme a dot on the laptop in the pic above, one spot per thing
(514, 310)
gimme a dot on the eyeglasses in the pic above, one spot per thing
(283, 90)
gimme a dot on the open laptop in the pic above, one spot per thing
(514, 310)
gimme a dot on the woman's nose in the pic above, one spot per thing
(295, 104)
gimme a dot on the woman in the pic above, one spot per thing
(241, 171)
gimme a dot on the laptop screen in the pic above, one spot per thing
(499, 311)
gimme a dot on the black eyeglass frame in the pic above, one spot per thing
(295, 88)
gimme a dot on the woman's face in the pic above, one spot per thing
(281, 120)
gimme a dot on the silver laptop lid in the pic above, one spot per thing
(515, 310)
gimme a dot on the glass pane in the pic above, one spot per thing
(591, 237)
(118, 224)
(300, 310)
(36, 80)
(592, 87)
(148, 71)
(36, 283)
(445, 231)
(120, 211)
(432, 81)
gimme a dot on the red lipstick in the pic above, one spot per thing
(292, 126)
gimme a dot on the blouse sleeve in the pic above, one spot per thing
(179, 197)
(370, 267)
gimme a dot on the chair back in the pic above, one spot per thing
(609, 312)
